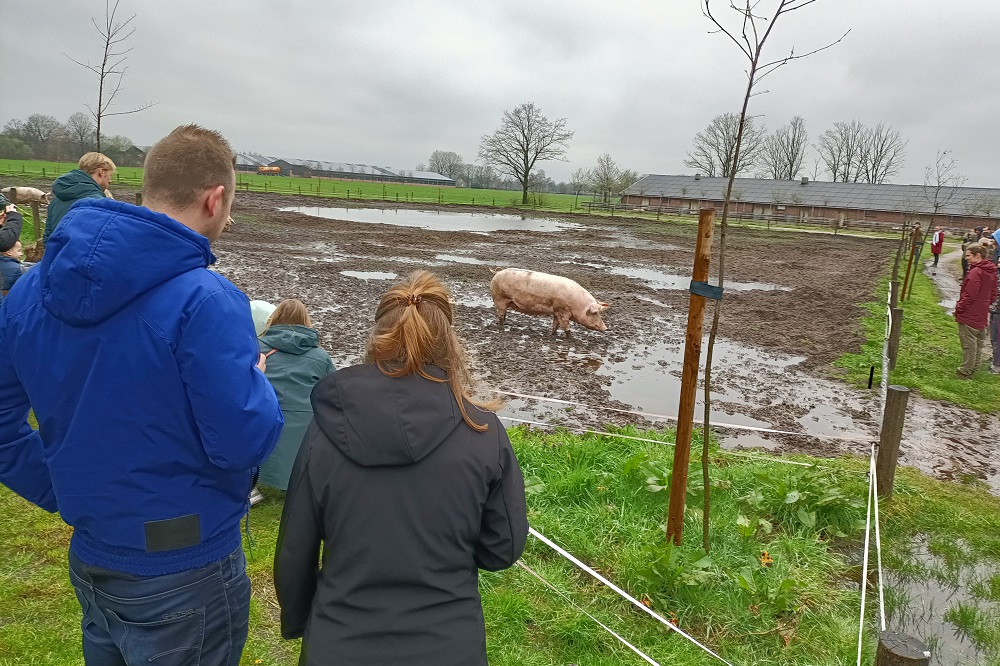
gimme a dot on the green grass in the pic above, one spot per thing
(344, 189)
(929, 350)
(594, 496)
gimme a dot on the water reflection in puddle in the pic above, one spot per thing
(919, 605)
(455, 259)
(649, 378)
(369, 275)
(668, 281)
(435, 220)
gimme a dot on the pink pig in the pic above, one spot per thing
(536, 293)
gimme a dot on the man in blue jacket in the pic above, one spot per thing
(143, 371)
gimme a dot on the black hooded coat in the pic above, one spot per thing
(408, 503)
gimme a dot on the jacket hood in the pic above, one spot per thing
(379, 420)
(291, 338)
(75, 185)
(105, 253)
(986, 266)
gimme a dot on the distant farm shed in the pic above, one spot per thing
(804, 200)
(349, 171)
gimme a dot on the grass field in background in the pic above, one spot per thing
(324, 187)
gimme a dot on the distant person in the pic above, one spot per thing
(10, 224)
(937, 243)
(295, 362)
(971, 237)
(89, 181)
(995, 336)
(408, 487)
(10, 268)
(143, 371)
(979, 291)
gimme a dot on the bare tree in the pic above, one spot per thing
(80, 129)
(751, 44)
(883, 153)
(784, 151)
(856, 153)
(841, 149)
(39, 131)
(579, 181)
(112, 64)
(608, 179)
(942, 182)
(446, 163)
(714, 152)
(524, 137)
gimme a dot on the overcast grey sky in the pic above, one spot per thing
(388, 82)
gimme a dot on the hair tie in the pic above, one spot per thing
(412, 300)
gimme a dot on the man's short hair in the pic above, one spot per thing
(978, 249)
(185, 163)
(91, 162)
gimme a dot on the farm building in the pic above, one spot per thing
(320, 169)
(249, 162)
(858, 205)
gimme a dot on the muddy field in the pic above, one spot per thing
(789, 311)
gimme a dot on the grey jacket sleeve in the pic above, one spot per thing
(10, 232)
(504, 528)
(296, 558)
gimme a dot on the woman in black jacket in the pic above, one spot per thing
(410, 487)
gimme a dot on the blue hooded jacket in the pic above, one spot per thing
(139, 364)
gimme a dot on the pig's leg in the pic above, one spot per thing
(561, 320)
(501, 307)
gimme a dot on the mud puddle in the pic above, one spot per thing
(370, 275)
(944, 606)
(436, 220)
(667, 281)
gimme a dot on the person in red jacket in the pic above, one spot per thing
(979, 290)
(937, 241)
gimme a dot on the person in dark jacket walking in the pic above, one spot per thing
(979, 291)
(89, 181)
(295, 363)
(142, 368)
(411, 487)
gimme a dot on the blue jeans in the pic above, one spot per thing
(192, 618)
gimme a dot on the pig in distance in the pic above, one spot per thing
(536, 293)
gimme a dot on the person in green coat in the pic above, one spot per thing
(89, 181)
(295, 363)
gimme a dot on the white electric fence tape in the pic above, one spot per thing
(574, 605)
(622, 593)
(864, 561)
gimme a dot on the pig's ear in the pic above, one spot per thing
(605, 306)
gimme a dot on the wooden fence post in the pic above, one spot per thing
(889, 437)
(895, 329)
(893, 293)
(138, 199)
(896, 649)
(689, 381)
(37, 224)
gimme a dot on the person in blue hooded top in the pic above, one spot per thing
(295, 362)
(89, 181)
(142, 368)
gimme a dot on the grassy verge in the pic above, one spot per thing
(775, 589)
(929, 350)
